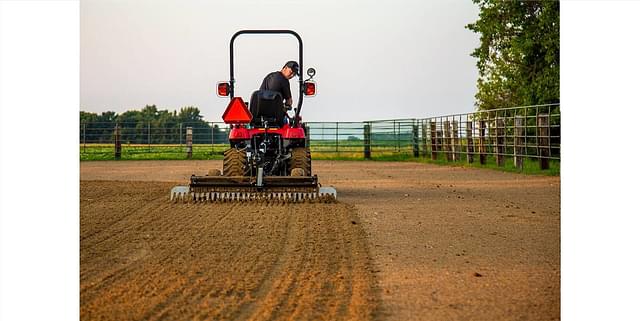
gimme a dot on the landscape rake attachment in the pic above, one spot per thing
(245, 189)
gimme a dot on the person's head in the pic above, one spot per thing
(290, 69)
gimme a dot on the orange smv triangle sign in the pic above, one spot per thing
(237, 112)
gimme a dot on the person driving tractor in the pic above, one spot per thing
(278, 81)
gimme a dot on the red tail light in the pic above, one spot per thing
(309, 88)
(223, 89)
(237, 112)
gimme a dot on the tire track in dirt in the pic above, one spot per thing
(236, 261)
(273, 270)
(265, 259)
(278, 286)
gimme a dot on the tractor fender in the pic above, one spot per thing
(239, 133)
(294, 133)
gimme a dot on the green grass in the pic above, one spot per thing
(94, 152)
(102, 152)
(530, 166)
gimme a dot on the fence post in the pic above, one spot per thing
(543, 140)
(434, 140)
(519, 142)
(180, 135)
(424, 138)
(482, 148)
(337, 138)
(395, 134)
(84, 137)
(211, 124)
(367, 141)
(189, 142)
(416, 140)
(118, 145)
(447, 140)
(456, 141)
(149, 136)
(500, 138)
(307, 138)
(469, 142)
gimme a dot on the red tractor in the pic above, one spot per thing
(268, 156)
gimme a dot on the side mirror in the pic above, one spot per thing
(311, 72)
(223, 89)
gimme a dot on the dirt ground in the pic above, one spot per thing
(406, 241)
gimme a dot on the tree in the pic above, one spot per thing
(519, 53)
(148, 125)
(189, 114)
(86, 117)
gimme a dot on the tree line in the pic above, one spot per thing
(149, 125)
(519, 53)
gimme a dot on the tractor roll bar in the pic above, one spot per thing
(300, 70)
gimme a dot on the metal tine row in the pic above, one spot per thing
(288, 197)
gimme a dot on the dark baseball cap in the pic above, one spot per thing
(293, 65)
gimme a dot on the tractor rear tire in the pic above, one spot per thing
(300, 158)
(235, 163)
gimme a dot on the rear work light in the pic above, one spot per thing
(237, 112)
(309, 88)
(223, 89)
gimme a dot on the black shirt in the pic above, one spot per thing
(275, 81)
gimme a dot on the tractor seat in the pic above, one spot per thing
(267, 105)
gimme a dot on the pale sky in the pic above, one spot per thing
(374, 60)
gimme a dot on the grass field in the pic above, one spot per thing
(91, 152)
(320, 151)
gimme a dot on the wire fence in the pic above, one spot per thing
(530, 132)
(519, 133)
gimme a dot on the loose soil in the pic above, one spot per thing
(406, 241)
